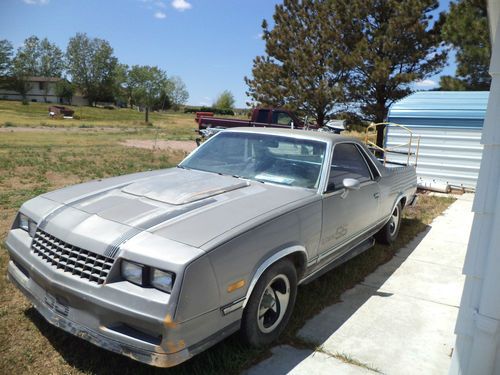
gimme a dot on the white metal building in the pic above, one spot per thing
(449, 124)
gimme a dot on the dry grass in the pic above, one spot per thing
(35, 162)
(13, 114)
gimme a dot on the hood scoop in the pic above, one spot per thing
(184, 186)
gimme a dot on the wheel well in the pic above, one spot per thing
(299, 261)
(403, 202)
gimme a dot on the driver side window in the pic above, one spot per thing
(347, 162)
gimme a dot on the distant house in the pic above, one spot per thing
(43, 90)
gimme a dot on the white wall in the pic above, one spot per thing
(477, 347)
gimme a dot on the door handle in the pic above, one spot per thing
(376, 195)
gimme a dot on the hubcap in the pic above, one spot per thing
(273, 303)
(394, 222)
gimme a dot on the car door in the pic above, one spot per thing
(347, 213)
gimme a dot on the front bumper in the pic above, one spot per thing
(137, 323)
(34, 293)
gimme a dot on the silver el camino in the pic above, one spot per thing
(160, 265)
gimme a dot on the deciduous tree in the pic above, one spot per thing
(147, 84)
(225, 100)
(91, 65)
(466, 29)
(65, 90)
(179, 93)
(6, 51)
(36, 58)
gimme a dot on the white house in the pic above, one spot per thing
(43, 90)
(477, 347)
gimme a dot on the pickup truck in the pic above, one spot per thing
(261, 117)
(160, 265)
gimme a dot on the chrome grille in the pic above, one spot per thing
(79, 262)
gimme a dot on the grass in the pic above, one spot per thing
(43, 159)
(14, 114)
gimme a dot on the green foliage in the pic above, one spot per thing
(121, 92)
(225, 100)
(64, 89)
(39, 58)
(324, 53)
(6, 51)
(51, 62)
(304, 65)
(178, 94)
(217, 111)
(466, 29)
(148, 86)
(393, 43)
(449, 83)
(92, 65)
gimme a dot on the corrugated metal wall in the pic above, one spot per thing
(450, 124)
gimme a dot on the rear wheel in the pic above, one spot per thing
(390, 231)
(270, 305)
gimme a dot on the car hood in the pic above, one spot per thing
(196, 208)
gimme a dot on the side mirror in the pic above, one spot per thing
(351, 184)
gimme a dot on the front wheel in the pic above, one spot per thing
(390, 231)
(270, 305)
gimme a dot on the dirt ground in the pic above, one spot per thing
(186, 146)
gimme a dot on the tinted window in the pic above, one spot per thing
(347, 162)
(263, 115)
(281, 118)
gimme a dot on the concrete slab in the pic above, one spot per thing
(401, 318)
(437, 251)
(289, 360)
(393, 333)
(424, 280)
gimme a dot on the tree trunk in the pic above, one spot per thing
(320, 119)
(380, 115)
(146, 115)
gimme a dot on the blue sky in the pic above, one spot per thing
(210, 44)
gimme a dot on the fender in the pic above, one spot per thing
(269, 262)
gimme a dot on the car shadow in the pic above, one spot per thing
(353, 297)
(231, 355)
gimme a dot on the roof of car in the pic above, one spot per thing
(305, 134)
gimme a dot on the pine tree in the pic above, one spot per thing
(396, 43)
(466, 29)
(303, 68)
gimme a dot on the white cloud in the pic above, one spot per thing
(181, 5)
(160, 15)
(426, 84)
(259, 36)
(36, 2)
(206, 102)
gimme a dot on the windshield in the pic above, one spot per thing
(261, 157)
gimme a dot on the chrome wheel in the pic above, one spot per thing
(273, 303)
(394, 221)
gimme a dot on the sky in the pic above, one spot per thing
(210, 44)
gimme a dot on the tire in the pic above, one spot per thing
(270, 305)
(390, 230)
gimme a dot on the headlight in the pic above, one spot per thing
(133, 272)
(146, 276)
(27, 224)
(162, 280)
